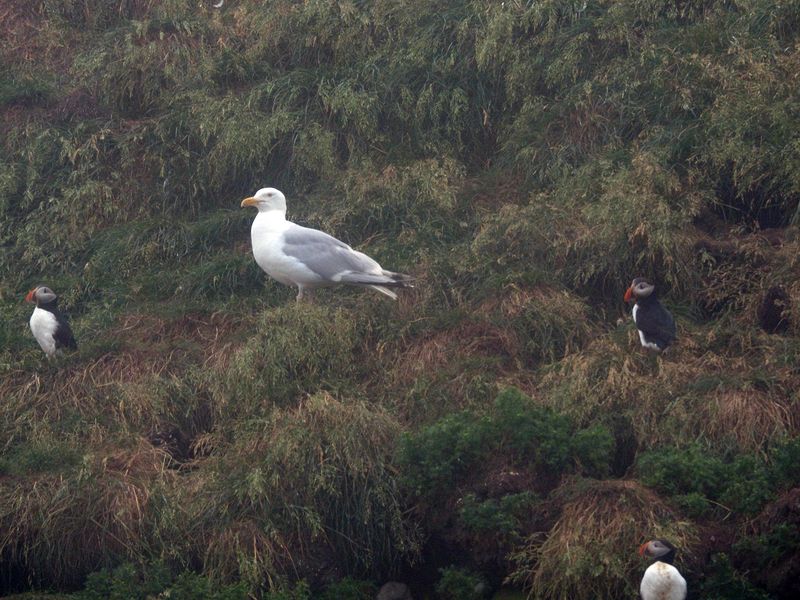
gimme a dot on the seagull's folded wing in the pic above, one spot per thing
(332, 260)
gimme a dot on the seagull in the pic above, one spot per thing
(661, 580)
(48, 325)
(308, 258)
(654, 322)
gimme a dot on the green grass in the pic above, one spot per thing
(523, 162)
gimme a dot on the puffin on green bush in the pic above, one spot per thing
(308, 258)
(654, 322)
(48, 325)
(661, 581)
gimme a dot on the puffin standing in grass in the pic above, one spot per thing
(661, 580)
(48, 325)
(654, 322)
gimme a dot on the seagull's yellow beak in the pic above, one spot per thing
(249, 202)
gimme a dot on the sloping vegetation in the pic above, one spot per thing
(523, 161)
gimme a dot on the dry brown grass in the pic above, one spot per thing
(244, 550)
(149, 347)
(445, 367)
(471, 340)
(299, 486)
(61, 527)
(732, 389)
(750, 418)
(743, 267)
(591, 550)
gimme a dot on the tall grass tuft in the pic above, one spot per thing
(308, 491)
(590, 552)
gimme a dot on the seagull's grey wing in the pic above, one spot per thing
(331, 259)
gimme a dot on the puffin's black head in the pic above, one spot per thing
(659, 549)
(41, 294)
(639, 288)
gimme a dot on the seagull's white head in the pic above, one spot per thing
(267, 199)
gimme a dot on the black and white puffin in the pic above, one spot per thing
(661, 580)
(48, 325)
(654, 322)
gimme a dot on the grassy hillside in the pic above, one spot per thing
(524, 161)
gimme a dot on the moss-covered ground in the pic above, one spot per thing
(212, 438)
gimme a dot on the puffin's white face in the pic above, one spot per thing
(655, 548)
(639, 288)
(41, 294)
(266, 199)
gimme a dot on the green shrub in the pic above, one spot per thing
(496, 517)
(128, 582)
(784, 471)
(676, 471)
(349, 589)
(437, 458)
(534, 433)
(698, 478)
(593, 449)
(721, 581)
(459, 584)
(442, 453)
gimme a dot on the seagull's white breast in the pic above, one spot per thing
(43, 326)
(266, 236)
(662, 582)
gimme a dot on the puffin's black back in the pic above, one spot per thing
(63, 334)
(655, 321)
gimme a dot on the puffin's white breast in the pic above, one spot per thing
(43, 326)
(662, 582)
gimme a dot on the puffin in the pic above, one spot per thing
(661, 580)
(654, 322)
(309, 258)
(48, 325)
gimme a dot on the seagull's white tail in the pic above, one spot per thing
(385, 291)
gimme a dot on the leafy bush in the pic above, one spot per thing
(722, 581)
(441, 455)
(443, 452)
(348, 589)
(459, 584)
(496, 517)
(128, 582)
(698, 478)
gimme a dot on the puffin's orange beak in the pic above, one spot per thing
(629, 294)
(29, 297)
(643, 548)
(249, 202)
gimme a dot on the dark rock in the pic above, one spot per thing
(394, 590)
